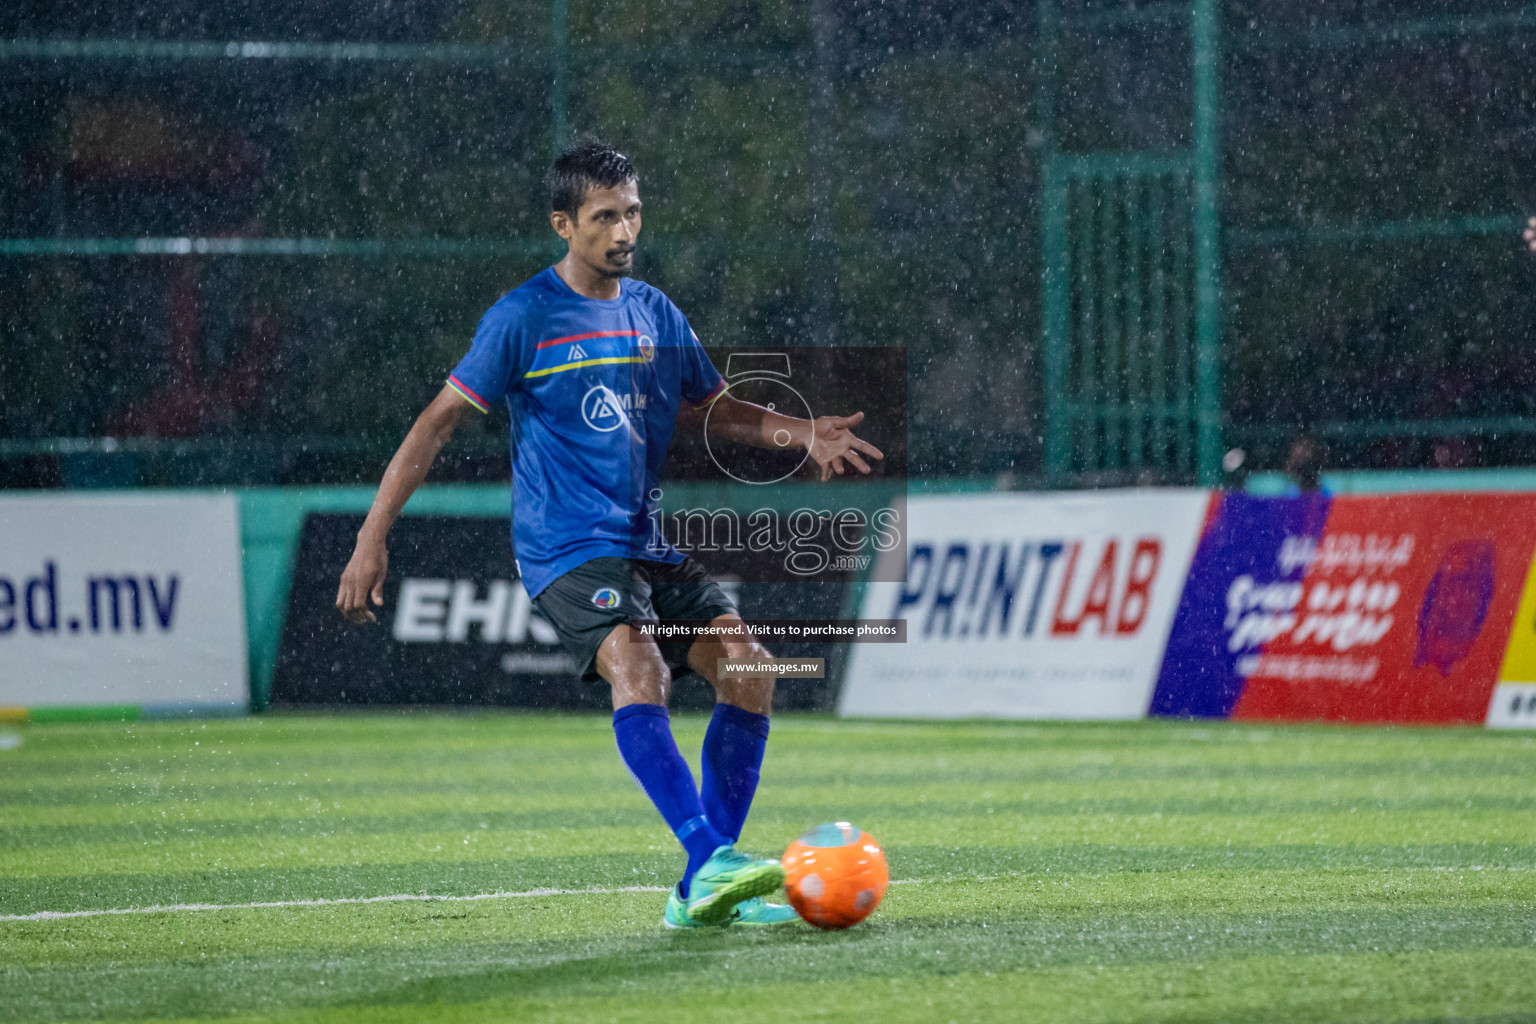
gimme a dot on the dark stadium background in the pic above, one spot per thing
(834, 173)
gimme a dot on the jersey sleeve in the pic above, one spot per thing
(497, 358)
(701, 383)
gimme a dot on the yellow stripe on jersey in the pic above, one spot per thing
(709, 399)
(465, 394)
(578, 365)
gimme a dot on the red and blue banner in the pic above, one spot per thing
(1239, 593)
(1403, 608)
(1352, 609)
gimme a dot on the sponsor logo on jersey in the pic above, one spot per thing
(602, 410)
(605, 410)
(576, 352)
(605, 597)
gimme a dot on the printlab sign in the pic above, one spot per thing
(1021, 606)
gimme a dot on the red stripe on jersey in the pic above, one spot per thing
(482, 403)
(584, 337)
(709, 398)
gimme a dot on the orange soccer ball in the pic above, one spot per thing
(835, 875)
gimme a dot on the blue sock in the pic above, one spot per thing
(733, 758)
(645, 740)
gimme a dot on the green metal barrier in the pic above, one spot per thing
(1119, 325)
(1392, 481)
(1131, 290)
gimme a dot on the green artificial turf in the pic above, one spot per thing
(1076, 872)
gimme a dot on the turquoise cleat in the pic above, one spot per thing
(729, 877)
(754, 913)
(677, 913)
(759, 913)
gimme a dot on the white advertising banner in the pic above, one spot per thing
(131, 599)
(1513, 706)
(1028, 606)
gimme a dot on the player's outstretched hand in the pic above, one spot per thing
(363, 581)
(835, 447)
(1530, 234)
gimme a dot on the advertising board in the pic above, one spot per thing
(1514, 698)
(1352, 609)
(131, 600)
(1028, 606)
(457, 627)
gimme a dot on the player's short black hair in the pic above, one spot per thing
(586, 164)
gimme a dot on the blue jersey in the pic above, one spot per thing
(593, 388)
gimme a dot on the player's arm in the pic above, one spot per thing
(363, 578)
(831, 440)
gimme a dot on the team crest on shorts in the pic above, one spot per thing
(647, 348)
(605, 597)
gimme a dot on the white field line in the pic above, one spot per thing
(179, 908)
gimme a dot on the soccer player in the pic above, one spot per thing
(592, 366)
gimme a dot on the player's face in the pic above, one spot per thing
(604, 232)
